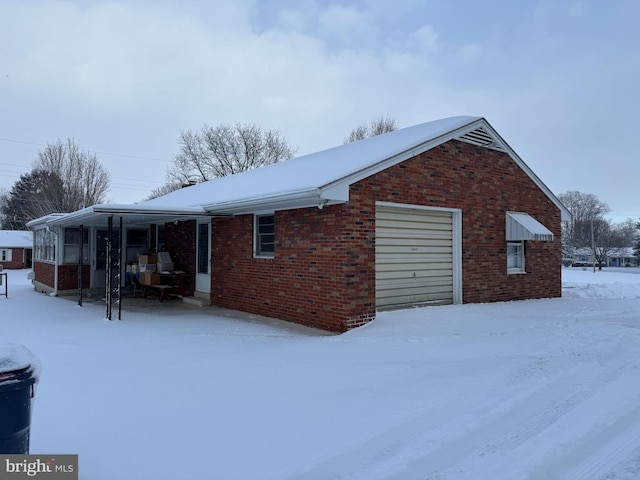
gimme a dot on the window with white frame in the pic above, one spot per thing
(5, 255)
(264, 235)
(515, 257)
(137, 243)
(45, 245)
(71, 249)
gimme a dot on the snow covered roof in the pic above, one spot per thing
(16, 239)
(96, 215)
(324, 177)
(318, 179)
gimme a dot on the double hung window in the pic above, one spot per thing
(264, 235)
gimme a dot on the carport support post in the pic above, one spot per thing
(80, 264)
(108, 265)
(121, 234)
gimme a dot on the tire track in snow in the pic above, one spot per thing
(524, 430)
(598, 457)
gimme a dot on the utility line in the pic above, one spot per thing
(123, 155)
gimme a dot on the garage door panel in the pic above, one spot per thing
(398, 250)
(405, 299)
(433, 226)
(400, 286)
(410, 243)
(441, 272)
(406, 259)
(414, 257)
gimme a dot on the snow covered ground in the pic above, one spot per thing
(542, 389)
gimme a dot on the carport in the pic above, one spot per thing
(111, 220)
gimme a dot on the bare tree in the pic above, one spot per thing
(636, 243)
(588, 227)
(84, 180)
(168, 187)
(627, 232)
(224, 150)
(377, 126)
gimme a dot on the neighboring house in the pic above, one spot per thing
(622, 257)
(439, 213)
(617, 257)
(15, 249)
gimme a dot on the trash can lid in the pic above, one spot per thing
(17, 359)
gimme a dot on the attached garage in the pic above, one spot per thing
(417, 256)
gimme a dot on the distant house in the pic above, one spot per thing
(439, 213)
(15, 249)
(617, 257)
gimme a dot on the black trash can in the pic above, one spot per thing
(19, 370)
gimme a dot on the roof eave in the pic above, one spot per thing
(313, 197)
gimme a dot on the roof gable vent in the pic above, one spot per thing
(482, 138)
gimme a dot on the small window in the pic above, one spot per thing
(5, 255)
(137, 244)
(515, 257)
(72, 244)
(264, 229)
(45, 245)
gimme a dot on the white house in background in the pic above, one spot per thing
(622, 257)
(617, 257)
(16, 247)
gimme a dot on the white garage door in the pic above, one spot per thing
(414, 257)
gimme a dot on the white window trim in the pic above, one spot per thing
(256, 253)
(5, 255)
(73, 248)
(517, 270)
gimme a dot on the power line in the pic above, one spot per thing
(123, 155)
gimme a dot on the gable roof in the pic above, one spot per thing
(324, 177)
(317, 179)
(15, 239)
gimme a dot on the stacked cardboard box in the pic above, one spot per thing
(150, 278)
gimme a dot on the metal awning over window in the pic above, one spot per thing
(521, 226)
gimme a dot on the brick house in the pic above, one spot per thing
(15, 249)
(439, 213)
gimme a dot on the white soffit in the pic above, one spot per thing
(521, 226)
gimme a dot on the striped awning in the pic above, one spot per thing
(522, 226)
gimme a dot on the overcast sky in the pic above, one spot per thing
(559, 80)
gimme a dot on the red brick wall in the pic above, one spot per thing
(44, 273)
(180, 242)
(313, 278)
(68, 277)
(484, 184)
(18, 259)
(323, 272)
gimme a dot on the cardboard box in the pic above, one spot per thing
(150, 278)
(147, 267)
(147, 259)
